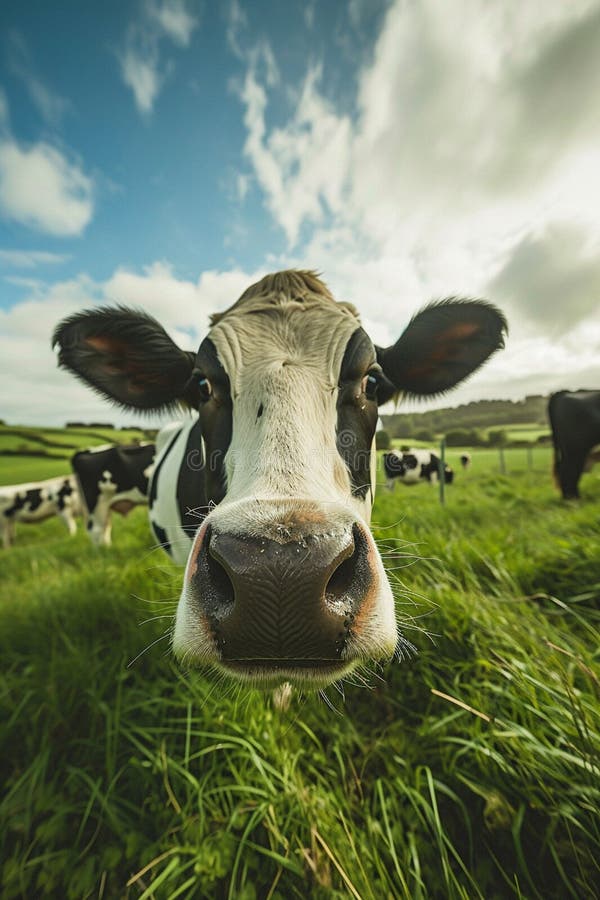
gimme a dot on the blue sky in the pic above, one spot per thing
(165, 153)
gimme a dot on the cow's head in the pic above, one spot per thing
(284, 581)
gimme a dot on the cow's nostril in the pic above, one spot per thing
(343, 581)
(222, 586)
(286, 603)
(216, 586)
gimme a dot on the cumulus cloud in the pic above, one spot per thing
(142, 62)
(552, 279)
(29, 365)
(469, 167)
(464, 116)
(183, 307)
(41, 188)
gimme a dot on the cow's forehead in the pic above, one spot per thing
(285, 326)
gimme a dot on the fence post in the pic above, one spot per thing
(442, 470)
(502, 463)
(530, 458)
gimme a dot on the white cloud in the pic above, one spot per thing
(143, 67)
(49, 103)
(443, 142)
(41, 188)
(3, 109)
(174, 19)
(237, 23)
(302, 168)
(30, 259)
(140, 71)
(36, 391)
(471, 164)
(309, 14)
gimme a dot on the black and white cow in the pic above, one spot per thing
(575, 422)
(413, 466)
(37, 501)
(112, 478)
(267, 495)
(465, 460)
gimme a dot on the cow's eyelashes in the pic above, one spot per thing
(370, 383)
(204, 388)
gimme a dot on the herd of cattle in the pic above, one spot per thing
(105, 479)
(115, 478)
(283, 582)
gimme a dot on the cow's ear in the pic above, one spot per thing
(442, 345)
(126, 356)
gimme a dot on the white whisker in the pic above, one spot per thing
(152, 644)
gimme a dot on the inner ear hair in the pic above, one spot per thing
(125, 355)
(442, 345)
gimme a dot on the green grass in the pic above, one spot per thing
(526, 432)
(20, 469)
(535, 460)
(58, 443)
(469, 770)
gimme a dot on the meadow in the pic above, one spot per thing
(469, 768)
(51, 449)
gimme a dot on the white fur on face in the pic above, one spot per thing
(283, 361)
(285, 365)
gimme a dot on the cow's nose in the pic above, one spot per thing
(282, 604)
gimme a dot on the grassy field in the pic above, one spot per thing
(489, 460)
(20, 469)
(469, 769)
(59, 443)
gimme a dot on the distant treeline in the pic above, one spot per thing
(28, 451)
(478, 414)
(31, 435)
(89, 425)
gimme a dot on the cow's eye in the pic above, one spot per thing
(370, 383)
(204, 389)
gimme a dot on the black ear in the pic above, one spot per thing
(124, 355)
(442, 345)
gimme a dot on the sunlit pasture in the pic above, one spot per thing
(469, 768)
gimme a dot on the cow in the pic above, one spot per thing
(112, 478)
(575, 422)
(465, 460)
(412, 466)
(266, 494)
(37, 501)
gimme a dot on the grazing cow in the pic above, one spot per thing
(465, 460)
(575, 422)
(413, 466)
(112, 478)
(267, 494)
(37, 501)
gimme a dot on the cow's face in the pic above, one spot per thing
(284, 581)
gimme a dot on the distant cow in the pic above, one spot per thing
(575, 422)
(112, 479)
(412, 466)
(465, 460)
(283, 581)
(37, 501)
